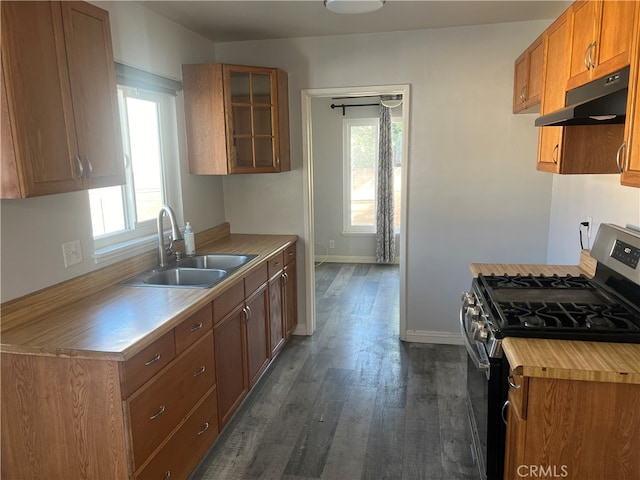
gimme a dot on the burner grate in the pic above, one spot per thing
(543, 315)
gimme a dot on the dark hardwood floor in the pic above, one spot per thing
(352, 401)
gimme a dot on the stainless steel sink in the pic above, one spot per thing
(221, 261)
(200, 271)
(179, 277)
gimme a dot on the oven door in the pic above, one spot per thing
(486, 392)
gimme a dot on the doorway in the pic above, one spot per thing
(308, 175)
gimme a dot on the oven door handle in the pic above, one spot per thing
(474, 352)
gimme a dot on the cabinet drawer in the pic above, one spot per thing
(156, 409)
(256, 278)
(193, 328)
(179, 456)
(275, 264)
(229, 300)
(144, 365)
(290, 254)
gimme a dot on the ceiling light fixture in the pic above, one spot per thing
(353, 6)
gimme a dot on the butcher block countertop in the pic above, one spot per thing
(565, 359)
(94, 316)
(587, 267)
(574, 360)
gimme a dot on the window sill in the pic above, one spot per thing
(124, 250)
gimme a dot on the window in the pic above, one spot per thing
(122, 215)
(361, 159)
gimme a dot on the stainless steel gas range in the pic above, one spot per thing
(603, 308)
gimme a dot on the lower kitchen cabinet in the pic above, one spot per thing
(573, 429)
(156, 409)
(290, 303)
(182, 452)
(93, 418)
(257, 318)
(231, 363)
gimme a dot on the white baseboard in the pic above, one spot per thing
(429, 336)
(348, 259)
(300, 330)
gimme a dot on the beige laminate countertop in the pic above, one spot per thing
(119, 321)
(574, 360)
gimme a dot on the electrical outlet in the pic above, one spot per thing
(332, 244)
(71, 253)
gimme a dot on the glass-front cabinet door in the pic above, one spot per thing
(252, 127)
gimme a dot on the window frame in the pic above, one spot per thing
(347, 123)
(141, 236)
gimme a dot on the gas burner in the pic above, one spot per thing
(533, 321)
(598, 322)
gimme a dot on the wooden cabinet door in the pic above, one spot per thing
(601, 33)
(528, 77)
(38, 101)
(515, 442)
(251, 114)
(583, 35)
(276, 326)
(290, 303)
(554, 78)
(94, 94)
(629, 155)
(231, 365)
(258, 353)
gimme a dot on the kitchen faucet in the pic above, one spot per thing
(165, 252)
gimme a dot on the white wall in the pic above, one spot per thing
(576, 197)
(474, 193)
(34, 229)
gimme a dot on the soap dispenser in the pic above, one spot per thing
(189, 241)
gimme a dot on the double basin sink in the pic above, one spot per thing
(199, 271)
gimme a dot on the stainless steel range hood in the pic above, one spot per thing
(601, 101)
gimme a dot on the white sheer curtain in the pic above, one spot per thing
(385, 235)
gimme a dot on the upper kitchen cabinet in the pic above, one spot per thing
(554, 77)
(237, 119)
(585, 149)
(629, 152)
(528, 77)
(601, 33)
(59, 102)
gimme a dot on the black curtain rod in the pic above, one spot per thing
(345, 106)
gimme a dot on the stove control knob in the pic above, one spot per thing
(468, 298)
(482, 334)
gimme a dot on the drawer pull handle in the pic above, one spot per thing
(199, 372)
(196, 327)
(204, 429)
(153, 360)
(160, 412)
(167, 475)
(512, 382)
